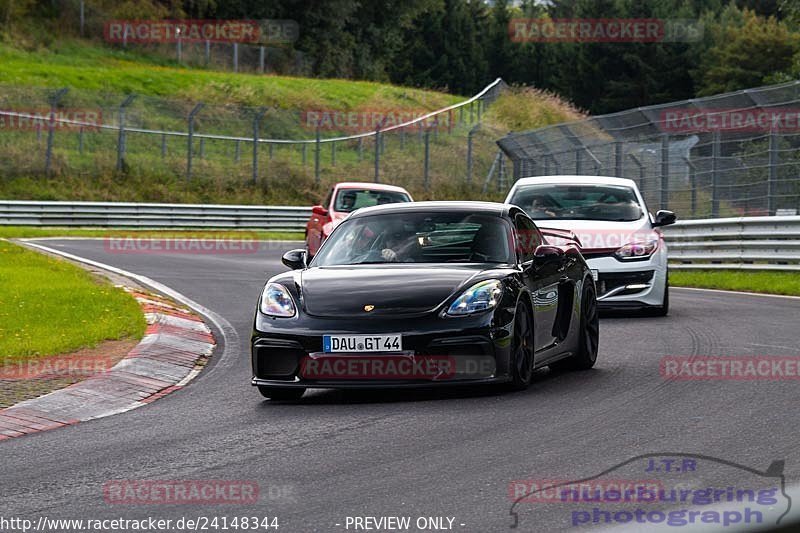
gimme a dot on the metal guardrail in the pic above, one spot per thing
(758, 243)
(157, 216)
(750, 243)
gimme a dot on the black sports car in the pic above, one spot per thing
(422, 294)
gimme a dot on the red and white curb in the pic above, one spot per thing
(164, 361)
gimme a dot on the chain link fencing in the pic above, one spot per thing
(733, 154)
(47, 132)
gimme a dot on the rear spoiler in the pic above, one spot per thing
(561, 234)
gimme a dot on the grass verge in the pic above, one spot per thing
(763, 281)
(49, 306)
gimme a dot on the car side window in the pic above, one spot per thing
(327, 203)
(528, 237)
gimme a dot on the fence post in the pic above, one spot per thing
(305, 153)
(261, 59)
(316, 156)
(51, 128)
(190, 139)
(360, 148)
(208, 52)
(692, 185)
(640, 165)
(271, 150)
(256, 130)
(378, 154)
(402, 138)
(80, 139)
(501, 174)
(665, 171)
(236, 57)
(772, 175)
(237, 152)
(378, 150)
(618, 159)
(427, 167)
(333, 153)
(163, 145)
(471, 133)
(491, 170)
(178, 45)
(83, 16)
(715, 155)
(121, 136)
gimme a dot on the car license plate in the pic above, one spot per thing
(362, 343)
(595, 274)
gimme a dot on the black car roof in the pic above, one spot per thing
(488, 208)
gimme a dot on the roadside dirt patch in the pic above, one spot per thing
(31, 378)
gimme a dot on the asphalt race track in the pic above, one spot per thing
(446, 453)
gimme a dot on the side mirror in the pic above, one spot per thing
(664, 218)
(319, 210)
(294, 259)
(545, 253)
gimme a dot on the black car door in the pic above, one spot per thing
(542, 276)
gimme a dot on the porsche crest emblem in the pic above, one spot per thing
(369, 308)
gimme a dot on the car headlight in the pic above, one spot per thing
(276, 301)
(480, 297)
(637, 250)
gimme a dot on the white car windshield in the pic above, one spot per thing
(348, 200)
(552, 201)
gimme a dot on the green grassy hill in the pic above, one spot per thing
(83, 166)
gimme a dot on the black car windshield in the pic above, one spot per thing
(417, 237)
(348, 200)
(550, 201)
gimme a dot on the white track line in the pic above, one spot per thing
(229, 335)
(737, 292)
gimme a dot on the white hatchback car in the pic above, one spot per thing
(618, 236)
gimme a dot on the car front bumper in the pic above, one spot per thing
(475, 346)
(630, 285)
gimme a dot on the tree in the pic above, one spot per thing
(746, 54)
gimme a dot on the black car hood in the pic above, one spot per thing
(392, 289)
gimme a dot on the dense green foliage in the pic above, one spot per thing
(459, 45)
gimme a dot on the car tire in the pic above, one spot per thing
(663, 309)
(521, 358)
(280, 393)
(589, 334)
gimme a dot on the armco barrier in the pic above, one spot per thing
(754, 243)
(162, 216)
(768, 243)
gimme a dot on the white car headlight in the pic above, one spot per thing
(480, 297)
(276, 301)
(637, 250)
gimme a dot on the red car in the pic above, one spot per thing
(343, 199)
